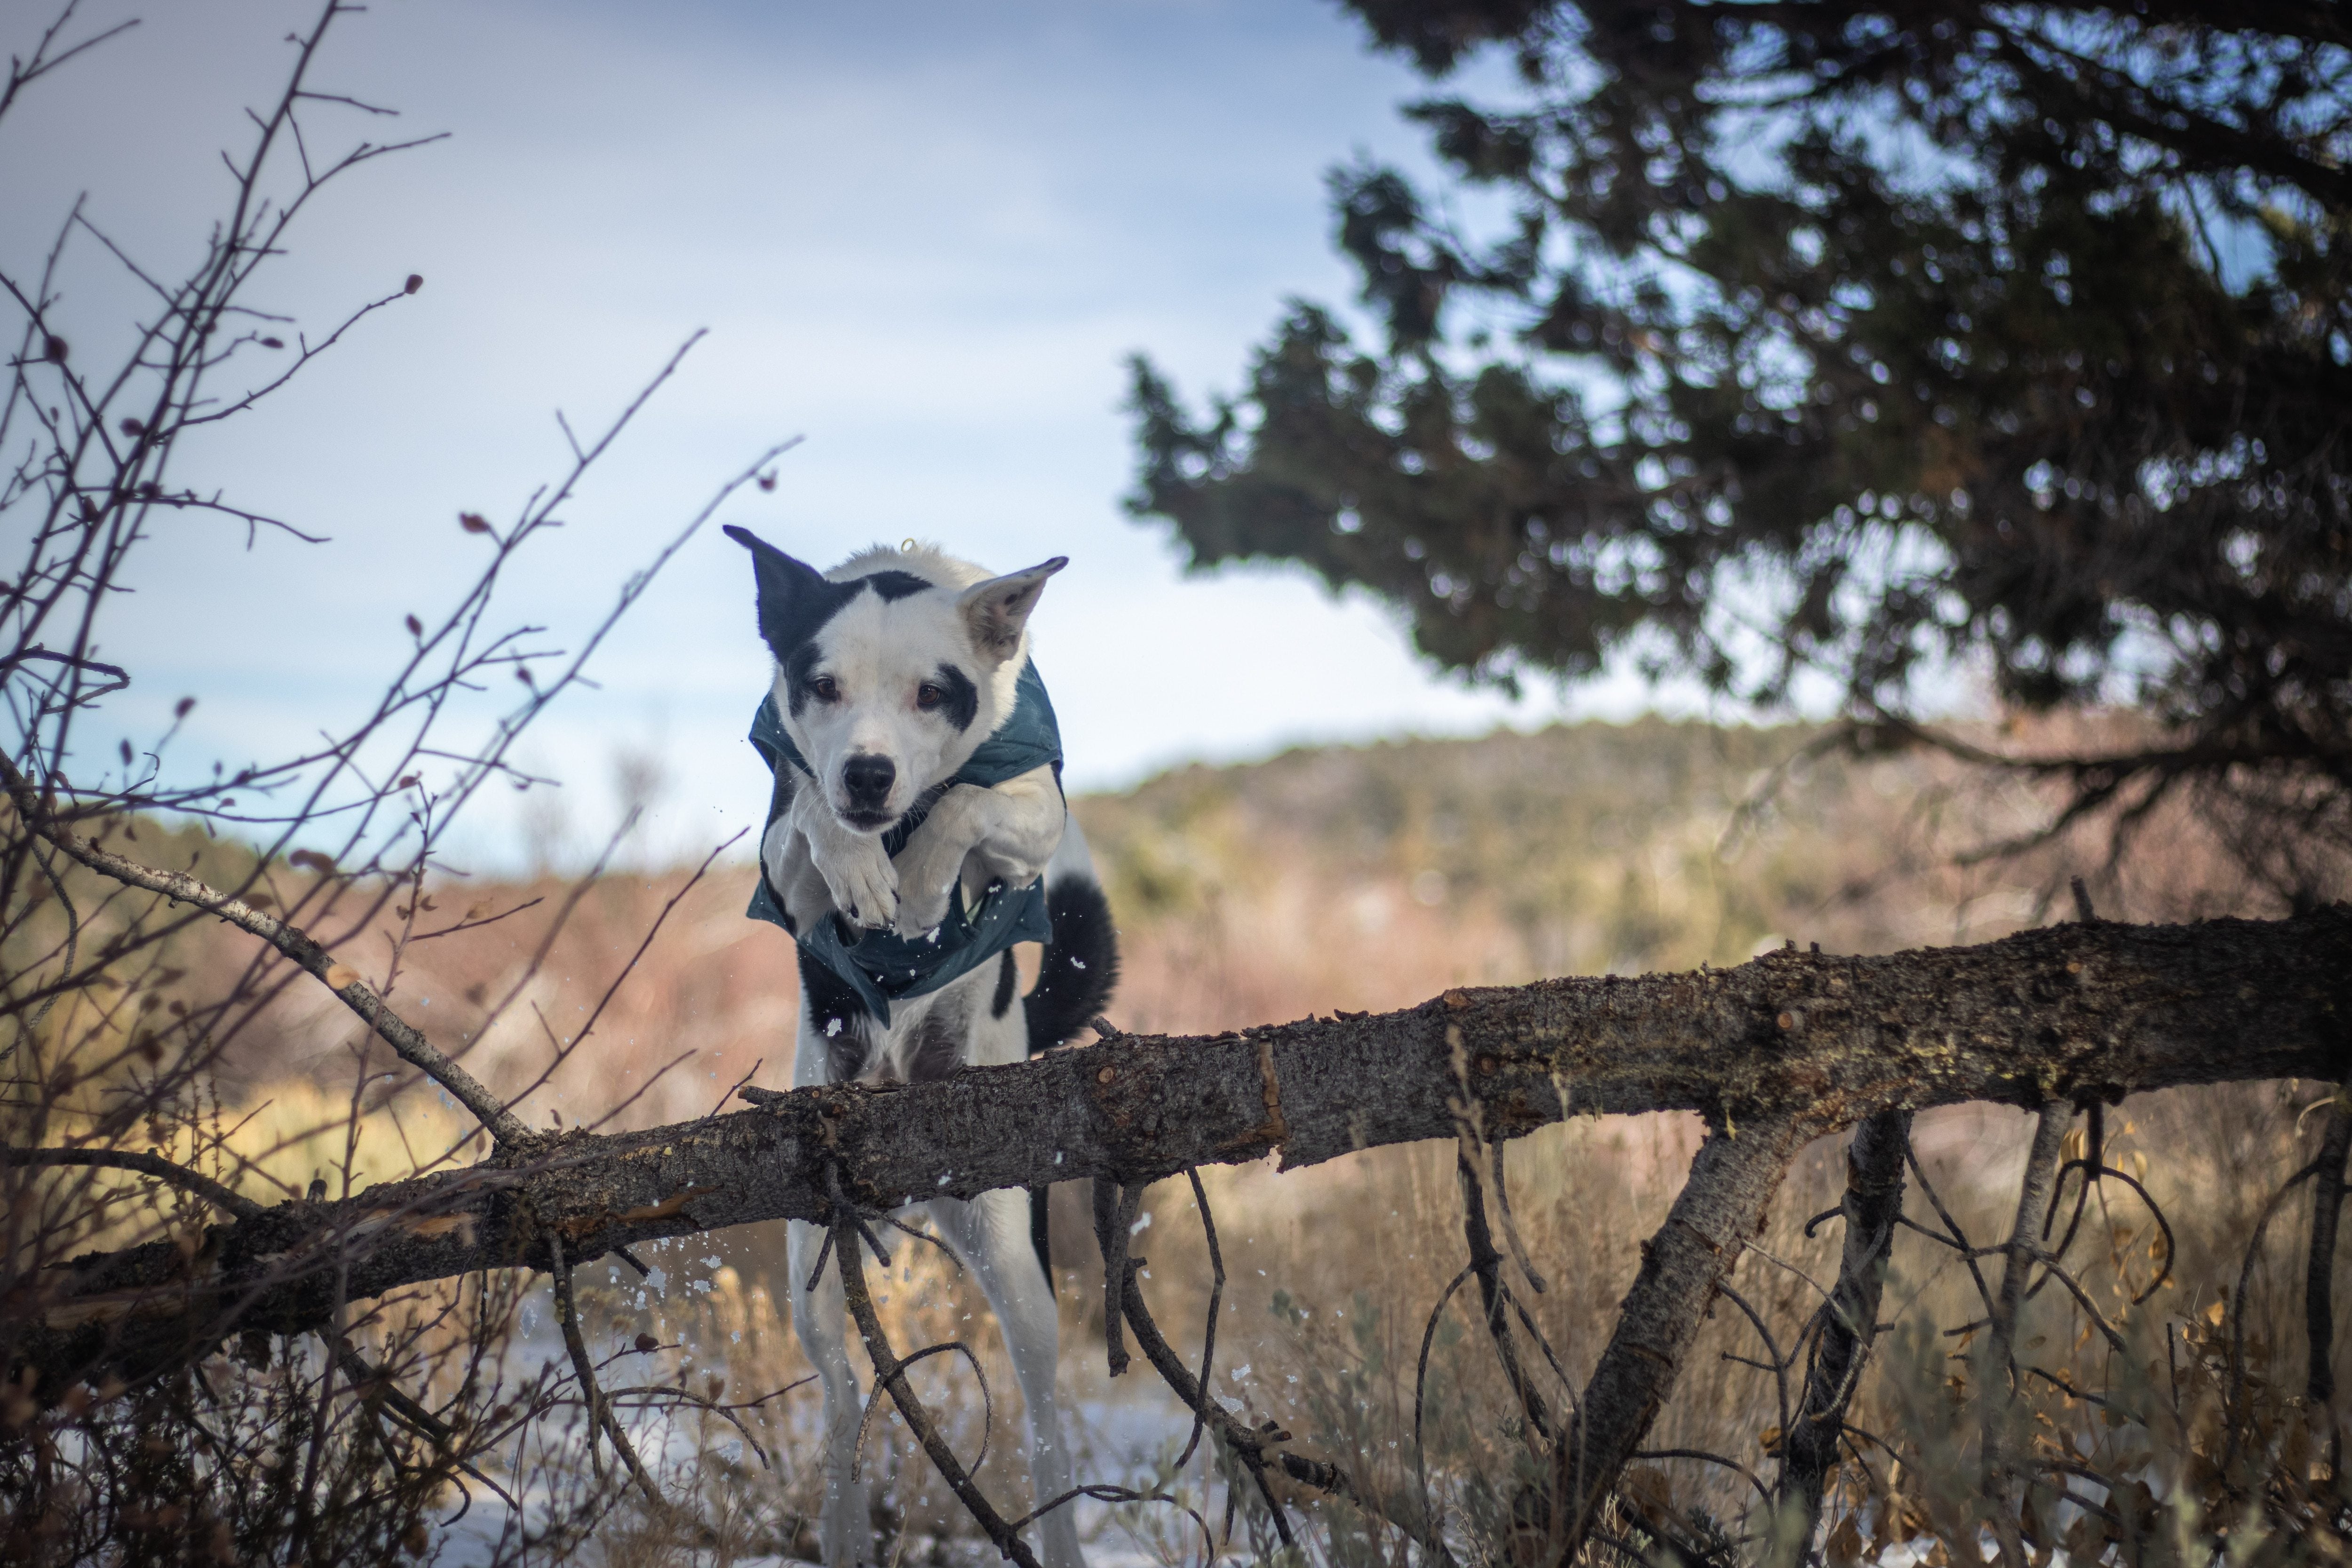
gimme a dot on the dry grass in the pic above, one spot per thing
(1356, 1256)
(1362, 879)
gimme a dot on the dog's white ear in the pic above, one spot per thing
(794, 597)
(998, 609)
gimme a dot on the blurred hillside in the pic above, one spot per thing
(1374, 876)
(1337, 877)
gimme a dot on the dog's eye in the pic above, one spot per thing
(928, 696)
(824, 689)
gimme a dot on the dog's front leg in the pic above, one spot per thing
(844, 1524)
(856, 870)
(792, 877)
(1013, 826)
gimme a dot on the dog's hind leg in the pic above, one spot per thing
(990, 1234)
(846, 1526)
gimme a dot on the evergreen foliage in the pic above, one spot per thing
(1849, 338)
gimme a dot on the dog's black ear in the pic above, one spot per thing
(794, 597)
(998, 609)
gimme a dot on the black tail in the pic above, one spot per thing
(1081, 966)
(1074, 985)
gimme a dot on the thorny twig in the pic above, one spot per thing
(845, 1230)
(1216, 1296)
(24, 72)
(2319, 1272)
(230, 1202)
(2232, 1404)
(1999, 1386)
(354, 992)
(600, 1409)
(563, 1051)
(874, 1405)
(1495, 1292)
(2093, 1164)
(89, 484)
(1116, 1205)
(477, 925)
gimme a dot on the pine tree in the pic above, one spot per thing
(1876, 336)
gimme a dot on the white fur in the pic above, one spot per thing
(878, 652)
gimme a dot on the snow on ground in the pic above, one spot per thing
(1125, 1436)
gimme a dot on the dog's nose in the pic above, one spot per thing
(868, 779)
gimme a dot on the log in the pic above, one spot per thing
(1808, 1042)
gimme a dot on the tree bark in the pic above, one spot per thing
(1998, 1379)
(1873, 1202)
(1784, 1049)
(1732, 1180)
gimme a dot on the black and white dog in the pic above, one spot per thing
(916, 832)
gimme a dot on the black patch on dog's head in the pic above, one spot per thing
(794, 598)
(836, 1012)
(800, 674)
(892, 584)
(961, 706)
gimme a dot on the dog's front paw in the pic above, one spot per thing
(921, 909)
(928, 868)
(858, 874)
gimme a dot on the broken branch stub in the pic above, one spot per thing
(1849, 1326)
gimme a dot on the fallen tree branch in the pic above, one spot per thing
(1781, 1049)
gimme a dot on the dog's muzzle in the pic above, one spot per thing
(865, 781)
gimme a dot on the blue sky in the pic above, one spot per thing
(923, 236)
